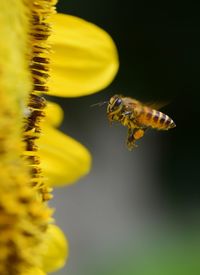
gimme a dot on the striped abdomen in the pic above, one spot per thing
(155, 119)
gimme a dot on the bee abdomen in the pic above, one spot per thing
(145, 117)
(162, 121)
(155, 119)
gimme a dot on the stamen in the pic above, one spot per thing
(39, 66)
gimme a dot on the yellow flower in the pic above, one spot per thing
(59, 151)
(84, 58)
(34, 155)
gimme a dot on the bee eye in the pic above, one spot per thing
(117, 102)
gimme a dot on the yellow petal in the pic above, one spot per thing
(63, 160)
(84, 58)
(34, 271)
(56, 249)
(54, 114)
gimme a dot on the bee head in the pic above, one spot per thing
(115, 105)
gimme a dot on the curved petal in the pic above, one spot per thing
(54, 114)
(63, 160)
(56, 249)
(84, 57)
(33, 271)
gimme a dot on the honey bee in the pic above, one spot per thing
(137, 117)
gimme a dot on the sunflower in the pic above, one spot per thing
(42, 52)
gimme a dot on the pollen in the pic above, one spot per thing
(139, 134)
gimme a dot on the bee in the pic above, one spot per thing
(137, 117)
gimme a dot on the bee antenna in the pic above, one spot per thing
(99, 104)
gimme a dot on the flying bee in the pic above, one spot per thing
(137, 117)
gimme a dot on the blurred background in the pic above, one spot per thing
(138, 212)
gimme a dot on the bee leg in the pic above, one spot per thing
(130, 139)
(110, 118)
(133, 135)
(127, 113)
(125, 118)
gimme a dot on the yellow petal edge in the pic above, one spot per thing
(63, 159)
(56, 253)
(54, 114)
(34, 271)
(84, 57)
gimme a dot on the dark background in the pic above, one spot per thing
(159, 51)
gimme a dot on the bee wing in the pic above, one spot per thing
(131, 102)
(156, 104)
